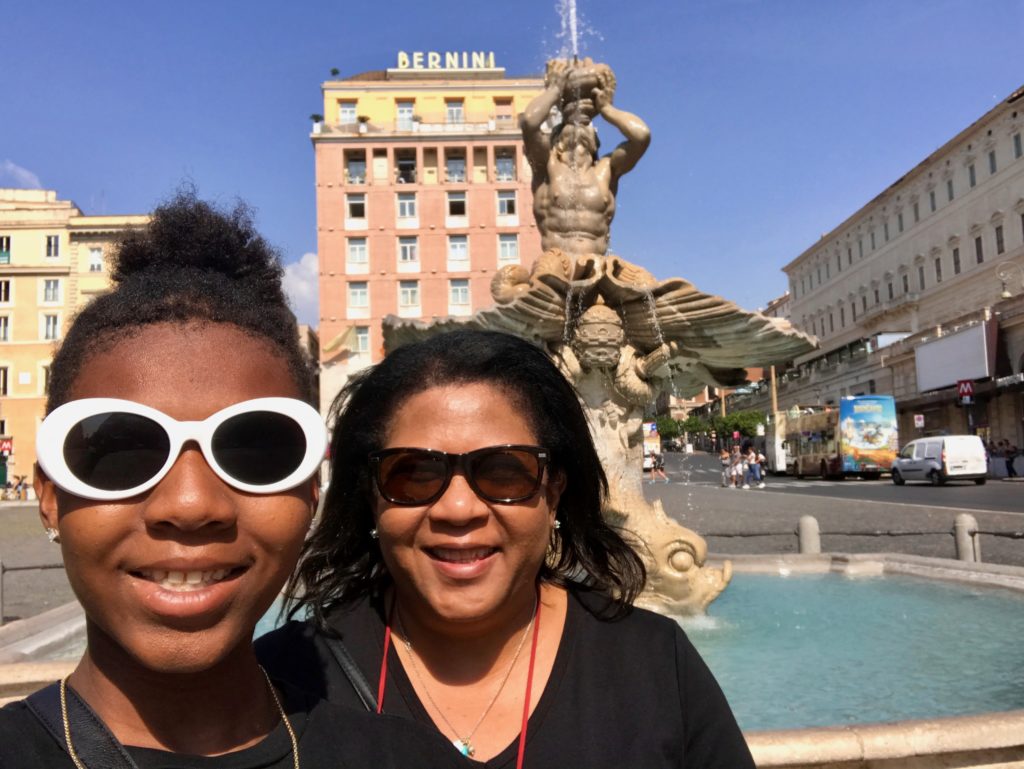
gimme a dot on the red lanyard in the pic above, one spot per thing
(529, 681)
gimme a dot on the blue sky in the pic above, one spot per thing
(773, 120)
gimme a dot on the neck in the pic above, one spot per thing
(465, 651)
(220, 709)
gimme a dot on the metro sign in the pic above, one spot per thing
(965, 390)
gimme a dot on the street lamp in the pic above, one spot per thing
(1005, 272)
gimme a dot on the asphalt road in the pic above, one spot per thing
(855, 516)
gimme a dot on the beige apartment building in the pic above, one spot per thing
(423, 193)
(53, 260)
(922, 289)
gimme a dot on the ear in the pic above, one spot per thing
(46, 493)
(553, 490)
(314, 495)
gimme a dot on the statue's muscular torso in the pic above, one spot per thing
(574, 207)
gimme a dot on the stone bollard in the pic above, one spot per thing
(968, 548)
(809, 534)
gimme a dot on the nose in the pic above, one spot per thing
(459, 505)
(191, 497)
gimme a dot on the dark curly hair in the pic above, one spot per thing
(191, 262)
(341, 563)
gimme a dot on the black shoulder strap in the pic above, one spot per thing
(352, 672)
(96, 747)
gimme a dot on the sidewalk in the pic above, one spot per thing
(23, 543)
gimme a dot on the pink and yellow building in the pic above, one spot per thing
(423, 193)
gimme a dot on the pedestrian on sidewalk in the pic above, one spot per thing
(658, 467)
(724, 458)
(1011, 454)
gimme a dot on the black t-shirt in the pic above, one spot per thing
(630, 692)
(330, 737)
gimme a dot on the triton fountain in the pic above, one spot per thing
(621, 336)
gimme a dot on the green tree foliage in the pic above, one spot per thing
(744, 422)
(668, 427)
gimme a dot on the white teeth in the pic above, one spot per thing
(462, 556)
(184, 580)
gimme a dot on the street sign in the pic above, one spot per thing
(965, 388)
(6, 445)
(918, 421)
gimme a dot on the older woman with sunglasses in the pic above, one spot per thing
(177, 468)
(462, 575)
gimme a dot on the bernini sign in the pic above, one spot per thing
(446, 60)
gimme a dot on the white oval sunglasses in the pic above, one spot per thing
(108, 449)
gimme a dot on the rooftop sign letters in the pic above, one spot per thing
(446, 60)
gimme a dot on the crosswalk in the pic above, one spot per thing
(704, 476)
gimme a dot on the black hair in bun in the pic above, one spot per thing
(192, 262)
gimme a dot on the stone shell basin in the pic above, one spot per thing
(987, 741)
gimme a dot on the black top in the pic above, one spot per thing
(330, 737)
(630, 692)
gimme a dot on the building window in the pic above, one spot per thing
(956, 261)
(453, 111)
(899, 221)
(872, 240)
(931, 200)
(50, 327)
(938, 269)
(1018, 146)
(864, 302)
(839, 262)
(508, 248)
(359, 294)
(405, 166)
(456, 204)
(885, 230)
(1021, 232)
(45, 376)
(4, 378)
(357, 251)
(818, 272)
(5, 328)
(51, 291)
(860, 248)
(842, 317)
(972, 177)
(890, 290)
(505, 166)
(849, 256)
(506, 202)
(458, 292)
(407, 251)
(992, 161)
(53, 245)
(1000, 242)
(917, 212)
(3, 424)
(949, 190)
(979, 251)
(404, 111)
(853, 311)
(362, 339)
(356, 206)
(5, 249)
(5, 291)
(906, 283)
(406, 205)
(878, 299)
(831, 324)
(455, 168)
(355, 169)
(458, 249)
(408, 293)
(920, 277)
(347, 112)
(827, 271)
(95, 259)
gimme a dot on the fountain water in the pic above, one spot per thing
(621, 336)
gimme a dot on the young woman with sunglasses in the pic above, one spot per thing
(462, 575)
(177, 470)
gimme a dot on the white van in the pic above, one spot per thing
(942, 458)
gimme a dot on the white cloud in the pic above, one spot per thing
(13, 175)
(302, 285)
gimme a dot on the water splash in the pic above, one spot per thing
(574, 30)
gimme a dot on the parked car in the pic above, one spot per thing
(940, 459)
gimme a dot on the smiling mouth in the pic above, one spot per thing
(455, 555)
(185, 581)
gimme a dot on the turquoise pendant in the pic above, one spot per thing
(464, 747)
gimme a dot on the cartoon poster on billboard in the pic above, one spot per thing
(868, 427)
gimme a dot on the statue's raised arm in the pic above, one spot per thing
(638, 135)
(536, 143)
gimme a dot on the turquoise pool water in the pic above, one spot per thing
(818, 650)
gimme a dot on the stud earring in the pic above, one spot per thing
(53, 535)
(374, 534)
(557, 524)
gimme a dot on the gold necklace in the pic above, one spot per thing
(78, 762)
(463, 744)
